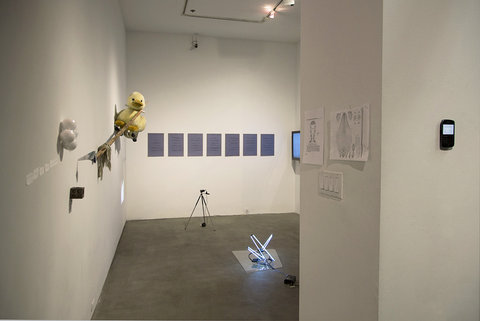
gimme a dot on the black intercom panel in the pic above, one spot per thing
(447, 134)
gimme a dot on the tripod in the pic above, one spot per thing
(204, 206)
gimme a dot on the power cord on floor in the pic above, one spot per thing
(290, 280)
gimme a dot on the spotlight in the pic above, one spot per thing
(271, 15)
(194, 42)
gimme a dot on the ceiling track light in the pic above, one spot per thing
(194, 42)
(273, 11)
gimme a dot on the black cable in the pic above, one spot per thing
(275, 270)
(268, 264)
(253, 260)
(289, 279)
(287, 276)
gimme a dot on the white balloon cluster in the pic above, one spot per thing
(68, 134)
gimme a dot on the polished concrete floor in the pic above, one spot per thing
(162, 272)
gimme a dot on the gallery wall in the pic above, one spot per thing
(61, 59)
(224, 86)
(340, 68)
(429, 255)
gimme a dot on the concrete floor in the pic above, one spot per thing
(162, 272)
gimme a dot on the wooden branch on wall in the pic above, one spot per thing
(117, 135)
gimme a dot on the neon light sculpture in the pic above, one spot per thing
(261, 251)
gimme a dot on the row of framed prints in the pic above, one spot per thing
(213, 144)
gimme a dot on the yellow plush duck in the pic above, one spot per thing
(135, 103)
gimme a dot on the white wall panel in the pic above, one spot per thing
(62, 59)
(224, 86)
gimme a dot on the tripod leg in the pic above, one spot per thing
(211, 220)
(198, 199)
(203, 211)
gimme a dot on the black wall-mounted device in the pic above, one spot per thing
(447, 134)
(77, 192)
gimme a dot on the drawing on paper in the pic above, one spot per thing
(313, 142)
(349, 134)
(313, 145)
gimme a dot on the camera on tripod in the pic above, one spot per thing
(204, 191)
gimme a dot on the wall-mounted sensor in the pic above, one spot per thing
(447, 134)
(290, 3)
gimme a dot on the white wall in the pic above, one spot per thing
(429, 257)
(296, 163)
(224, 86)
(340, 66)
(60, 59)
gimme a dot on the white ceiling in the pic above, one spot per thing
(167, 16)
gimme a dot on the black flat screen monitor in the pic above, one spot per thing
(296, 144)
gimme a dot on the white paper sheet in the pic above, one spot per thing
(350, 134)
(313, 135)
